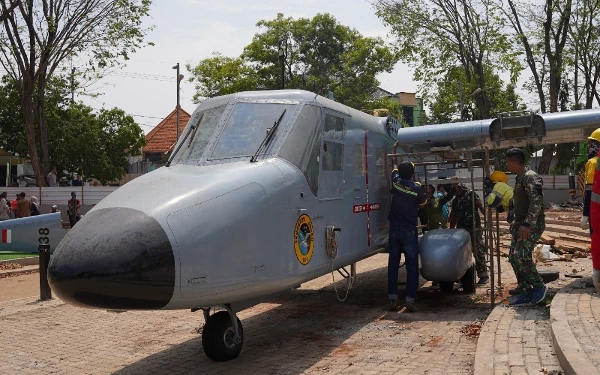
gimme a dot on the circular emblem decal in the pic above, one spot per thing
(304, 239)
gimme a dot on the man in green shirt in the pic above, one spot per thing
(434, 210)
(463, 216)
(528, 226)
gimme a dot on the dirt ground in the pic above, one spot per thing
(19, 286)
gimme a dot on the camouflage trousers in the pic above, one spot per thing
(478, 252)
(520, 257)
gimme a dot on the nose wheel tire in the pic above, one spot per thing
(218, 338)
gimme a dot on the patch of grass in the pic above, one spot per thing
(11, 255)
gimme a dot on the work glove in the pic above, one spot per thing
(584, 223)
(500, 209)
(511, 216)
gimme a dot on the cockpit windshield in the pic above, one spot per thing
(202, 126)
(247, 127)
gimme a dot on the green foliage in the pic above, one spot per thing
(446, 102)
(221, 75)
(584, 48)
(437, 37)
(321, 55)
(79, 139)
(392, 106)
(39, 37)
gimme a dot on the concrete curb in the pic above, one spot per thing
(571, 356)
(484, 356)
(19, 271)
(23, 261)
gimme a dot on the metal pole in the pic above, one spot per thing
(45, 291)
(178, 81)
(282, 61)
(498, 251)
(489, 231)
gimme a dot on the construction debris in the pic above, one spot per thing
(472, 329)
(546, 240)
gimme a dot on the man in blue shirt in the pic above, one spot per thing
(407, 197)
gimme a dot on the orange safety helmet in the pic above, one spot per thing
(499, 176)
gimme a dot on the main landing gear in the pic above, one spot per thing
(223, 335)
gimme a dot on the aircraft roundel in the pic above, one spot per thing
(304, 235)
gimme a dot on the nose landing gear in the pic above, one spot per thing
(223, 335)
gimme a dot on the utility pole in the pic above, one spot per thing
(179, 78)
(282, 60)
(72, 85)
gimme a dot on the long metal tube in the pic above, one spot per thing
(561, 127)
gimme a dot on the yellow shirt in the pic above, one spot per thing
(590, 169)
(502, 191)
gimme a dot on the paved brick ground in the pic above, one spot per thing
(575, 315)
(516, 341)
(306, 331)
(519, 340)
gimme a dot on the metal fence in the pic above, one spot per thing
(88, 195)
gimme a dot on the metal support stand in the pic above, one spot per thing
(45, 291)
(464, 161)
(500, 286)
(490, 231)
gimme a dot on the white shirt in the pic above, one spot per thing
(51, 179)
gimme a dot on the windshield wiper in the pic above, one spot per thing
(191, 132)
(267, 138)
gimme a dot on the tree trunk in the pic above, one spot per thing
(41, 109)
(29, 114)
(546, 160)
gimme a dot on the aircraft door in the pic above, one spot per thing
(331, 176)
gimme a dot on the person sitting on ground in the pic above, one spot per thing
(4, 207)
(23, 206)
(34, 207)
(13, 205)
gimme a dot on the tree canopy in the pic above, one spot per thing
(438, 36)
(79, 139)
(320, 55)
(38, 37)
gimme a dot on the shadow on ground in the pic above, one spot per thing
(309, 325)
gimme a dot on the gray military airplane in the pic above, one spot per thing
(263, 192)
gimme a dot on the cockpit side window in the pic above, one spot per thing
(202, 126)
(302, 145)
(248, 126)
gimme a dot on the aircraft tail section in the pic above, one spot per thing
(511, 130)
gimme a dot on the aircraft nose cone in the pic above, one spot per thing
(114, 258)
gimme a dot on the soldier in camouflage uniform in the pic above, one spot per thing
(527, 228)
(462, 217)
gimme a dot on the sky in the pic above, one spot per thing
(187, 31)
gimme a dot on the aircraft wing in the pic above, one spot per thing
(503, 132)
